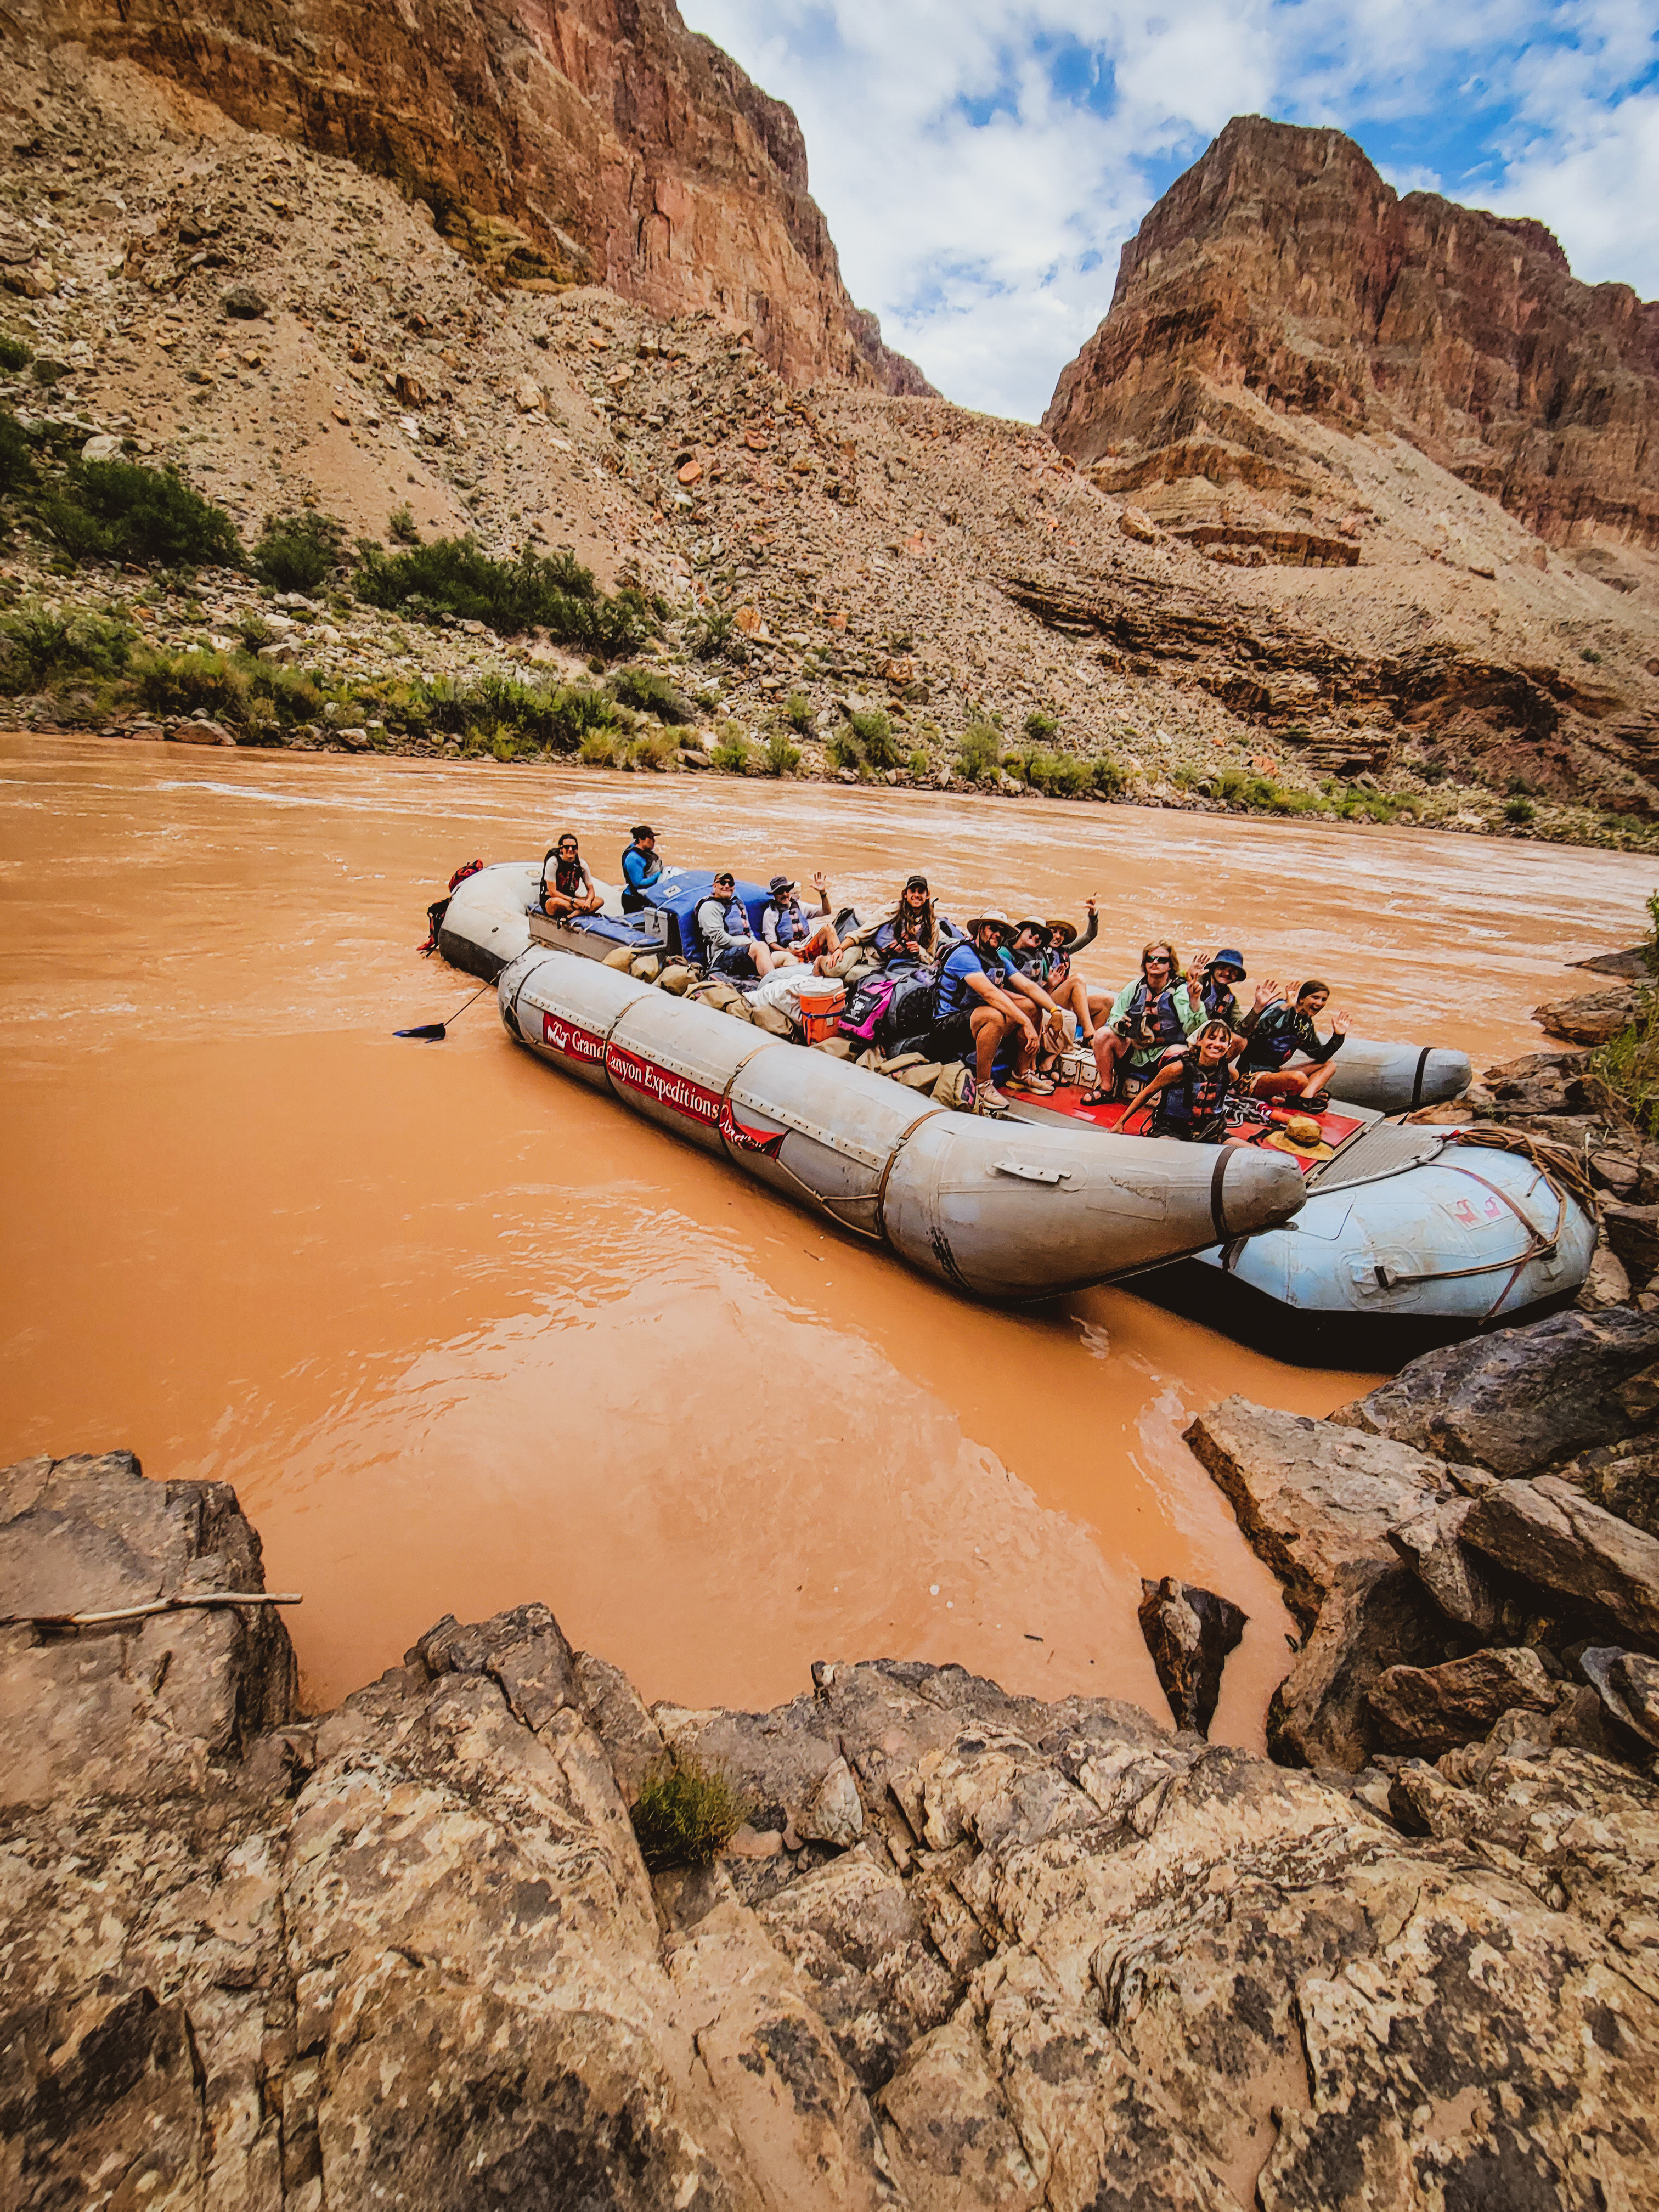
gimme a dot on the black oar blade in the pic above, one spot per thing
(429, 1031)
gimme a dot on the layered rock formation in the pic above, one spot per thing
(599, 141)
(973, 1951)
(1281, 266)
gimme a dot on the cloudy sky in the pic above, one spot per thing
(980, 161)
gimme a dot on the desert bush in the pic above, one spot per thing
(732, 753)
(979, 752)
(39, 645)
(554, 592)
(1108, 777)
(798, 713)
(15, 355)
(185, 683)
(711, 635)
(17, 469)
(654, 751)
(687, 1812)
(782, 754)
(117, 511)
(298, 552)
(874, 732)
(400, 525)
(1041, 726)
(843, 751)
(1057, 775)
(599, 749)
(652, 693)
(1520, 810)
(919, 764)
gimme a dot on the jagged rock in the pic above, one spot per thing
(135, 1707)
(1625, 1481)
(1312, 1497)
(1633, 1233)
(244, 303)
(1430, 1709)
(1430, 1543)
(688, 194)
(1552, 1535)
(1607, 1284)
(835, 1816)
(1627, 1683)
(1283, 265)
(1189, 1632)
(407, 1953)
(1590, 1019)
(1514, 1400)
(1317, 1503)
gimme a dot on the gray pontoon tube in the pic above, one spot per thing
(999, 1209)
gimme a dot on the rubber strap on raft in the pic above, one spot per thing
(1417, 1080)
(1218, 1210)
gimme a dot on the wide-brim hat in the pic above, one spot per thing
(782, 884)
(1070, 928)
(992, 914)
(1293, 1136)
(1036, 923)
(1227, 958)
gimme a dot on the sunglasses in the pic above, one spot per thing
(1155, 960)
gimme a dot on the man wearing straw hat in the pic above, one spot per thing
(973, 1015)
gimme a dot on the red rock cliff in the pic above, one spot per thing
(1283, 263)
(596, 140)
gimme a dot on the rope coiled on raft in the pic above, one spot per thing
(1563, 1168)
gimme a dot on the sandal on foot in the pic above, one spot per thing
(1095, 1097)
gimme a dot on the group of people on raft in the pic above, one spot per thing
(1007, 997)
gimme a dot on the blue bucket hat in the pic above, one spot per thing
(1227, 958)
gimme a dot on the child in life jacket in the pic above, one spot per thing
(1188, 1094)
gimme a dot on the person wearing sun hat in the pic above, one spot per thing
(973, 1015)
(1207, 993)
(787, 929)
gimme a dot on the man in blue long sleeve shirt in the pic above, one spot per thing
(641, 869)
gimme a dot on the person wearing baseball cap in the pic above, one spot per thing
(641, 869)
(787, 929)
(973, 1014)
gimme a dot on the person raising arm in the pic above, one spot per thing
(1280, 1030)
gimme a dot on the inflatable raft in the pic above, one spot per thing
(997, 1209)
(1385, 1222)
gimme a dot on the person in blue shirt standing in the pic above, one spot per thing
(641, 869)
(973, 1015)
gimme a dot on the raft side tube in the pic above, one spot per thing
(996, 1208)
(1396, 1078)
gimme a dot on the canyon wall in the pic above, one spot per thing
(596, 141)
(1282, 265)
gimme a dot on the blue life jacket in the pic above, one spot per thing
(950, 991)
(1157, 1014)
(631, 898)
(1197, 1095)
(735, 918)
(792, 923)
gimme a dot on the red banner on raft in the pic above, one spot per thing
(575, 1043)
(695, 1101)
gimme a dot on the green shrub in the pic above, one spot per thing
(686, 1814)
(39, 645)
(654, 751)
(782, 754)
(455, 577)
(117, 511)
(711, 636)
(843, 751)
(254, 631)
(1586, 653)
(298, 552)
(798, 713)
(15, 355)
(183, 683)
(1520, 810)
(652, 693)
(1108, 777)
(919, 764)
(599, 749)
(17, 469)
(400, 525)
(732, 753)
(979, 752)
(292, 694)
(875, 735)
(1041, 726)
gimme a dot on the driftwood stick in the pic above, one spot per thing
(156, 1604)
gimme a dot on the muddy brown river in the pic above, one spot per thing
(462, 1334)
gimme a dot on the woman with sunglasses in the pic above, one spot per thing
(1141, 1026)
(912, 935)
(571, 888)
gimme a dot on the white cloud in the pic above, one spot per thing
(981, 163)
